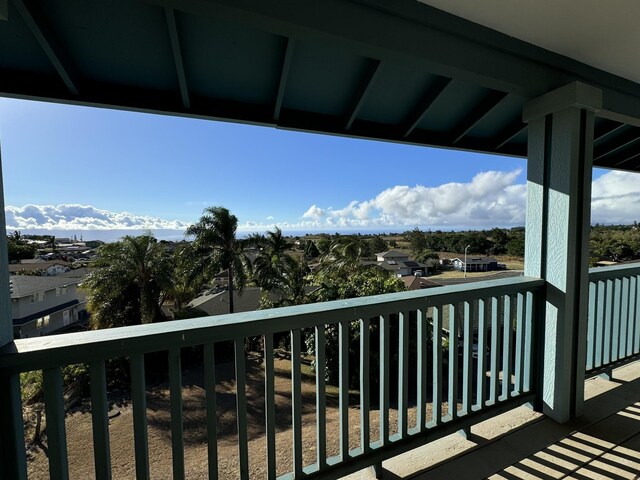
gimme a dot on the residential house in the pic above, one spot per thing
(412, 282)
(43, 305)
(391, 255)
(476, 264)
(44, 268)
(217, 302)
(398, 263)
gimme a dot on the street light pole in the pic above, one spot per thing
(465, 259)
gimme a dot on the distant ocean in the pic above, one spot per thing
(171, 235)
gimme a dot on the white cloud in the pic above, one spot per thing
(81, 217)
(489, 199)
(615, 198)
(314, 212)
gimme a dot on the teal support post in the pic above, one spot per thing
(6, 322)
(560, 162)
(12, 450)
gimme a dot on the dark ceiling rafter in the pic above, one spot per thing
(481, 110)
(39, 26)
(618, 156)
(631, 163)
(368, 80)
(284, 76)
(630, 137)
(430, 96)
(508, 134)
(170, 15)
(628, 157)
(602, 134)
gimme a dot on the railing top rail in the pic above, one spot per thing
(34, 353)
(616, 271)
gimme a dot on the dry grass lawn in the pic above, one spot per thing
(79, 431)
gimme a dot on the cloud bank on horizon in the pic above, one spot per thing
(490, 199)
(81, 217)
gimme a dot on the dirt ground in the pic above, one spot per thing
(79, 430)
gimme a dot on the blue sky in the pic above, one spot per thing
(57, 157)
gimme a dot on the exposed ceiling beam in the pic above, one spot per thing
(426, 37)
(509, 133)
(618, 144)
(432, 93)
(477, 114)
(633, 164)
(605, 133)
(284, 76)
(310, 122)
(4, 9)
(368, 80)
(619, 156)
(170, 15)
(39, 26)
(629, 157)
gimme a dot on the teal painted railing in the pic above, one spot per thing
(462, 353)
(613, 328)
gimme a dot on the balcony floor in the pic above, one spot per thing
(603, 443)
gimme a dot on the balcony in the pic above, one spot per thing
(428, 363)
(430, 381)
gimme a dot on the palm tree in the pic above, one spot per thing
(186, 283)
(277, 272)
(127, 282)
(273, 260)
(292, 290)
(345, 255)
(219, 249)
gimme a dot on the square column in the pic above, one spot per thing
(6, 322)
(558, 223)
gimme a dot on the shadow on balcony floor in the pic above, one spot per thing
(603, 443)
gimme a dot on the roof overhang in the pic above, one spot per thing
(394, 70)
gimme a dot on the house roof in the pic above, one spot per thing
(80, 273)
(35, 266)
(397, 70)
(42, 313)
(25, 285)
(394, 266)
(391, 253)
(416, 283)
(218, 303)
(248, 300)
(477, 260)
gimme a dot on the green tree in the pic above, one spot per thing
(310, 249)
(271, 264)
(417, 240)
(291, 287)
(323, 244)
(378, 245)
(336, 286)
(345, 254)
(364, 282)
(219, 249)
(186, 281)
(127, 282)
(515, 247)
(18, 248)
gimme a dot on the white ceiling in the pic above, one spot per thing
(602, 33)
